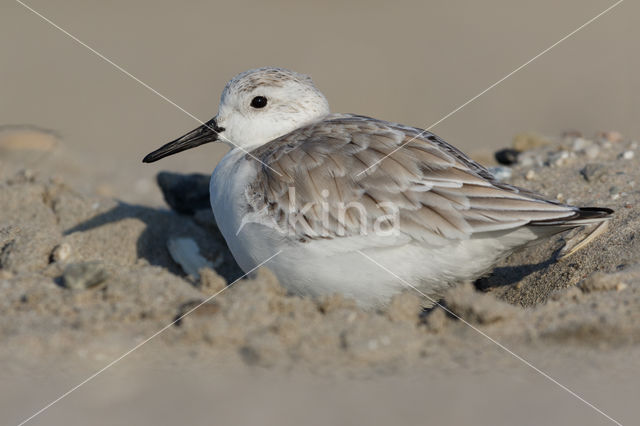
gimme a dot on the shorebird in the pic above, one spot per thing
(334, 192)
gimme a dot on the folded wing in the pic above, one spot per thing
(341, 176)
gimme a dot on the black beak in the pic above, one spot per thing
(206, 133)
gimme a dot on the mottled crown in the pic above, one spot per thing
(267, 75)
(249, 81)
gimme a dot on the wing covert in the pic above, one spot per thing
(345, 175)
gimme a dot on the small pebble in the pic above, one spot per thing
(501, 173)
(531, 159)
(531, 175)
(628, 155)
(526, 161)
(84, 275)
(507, 156)
(559, 158)
(61, 252)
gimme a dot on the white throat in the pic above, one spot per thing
(262, 131)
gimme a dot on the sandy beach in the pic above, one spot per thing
(86, 277)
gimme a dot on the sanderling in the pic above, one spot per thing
(327, 188)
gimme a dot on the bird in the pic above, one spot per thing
(352, 205)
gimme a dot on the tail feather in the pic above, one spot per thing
(582, 216)
(594, 220)
(597, 214)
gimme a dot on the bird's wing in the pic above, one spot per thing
(344, 175)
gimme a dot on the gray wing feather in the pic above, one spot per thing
(438, 191)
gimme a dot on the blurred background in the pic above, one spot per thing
(407, 61)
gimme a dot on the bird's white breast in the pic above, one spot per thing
(249, 243)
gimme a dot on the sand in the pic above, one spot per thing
(86, 277)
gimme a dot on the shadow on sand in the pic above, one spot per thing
(509, 275)
(160, 226)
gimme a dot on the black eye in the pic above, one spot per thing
(259, 102)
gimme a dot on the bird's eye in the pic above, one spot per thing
(259, 102)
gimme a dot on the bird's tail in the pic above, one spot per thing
(592, 220)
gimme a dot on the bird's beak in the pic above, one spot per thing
(206, 133)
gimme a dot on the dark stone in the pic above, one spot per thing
(507, 156)
(185, 193)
